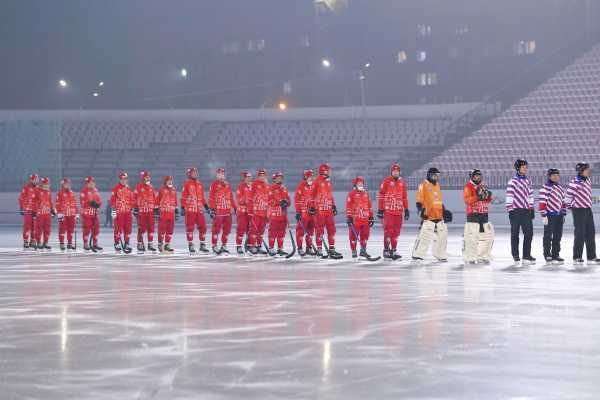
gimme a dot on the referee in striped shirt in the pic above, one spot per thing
(519, 204)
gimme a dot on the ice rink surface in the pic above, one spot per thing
(79, 326)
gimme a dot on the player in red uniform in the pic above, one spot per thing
(169, 213)
(392, 207)
(146, 209)
(44, 211)
(305, 213)
(326, 211)
(193, 205)
(279, 200)
(26, 205)
(359, 214)
(66, 210)
(122, 201)
(220, 205)
(258, 205)
(243, 223)
(90, 202)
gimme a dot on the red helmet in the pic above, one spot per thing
(89, 179)
(167, 178)
(245, 174)
(45, 181)
(277, 174)
(123, 175)
(64, 181)
(395, 167)
(145, 174)
(308, 173)
(220, 170)
(357, 180)
(261, 171)
(323, 168)
(191, 170)
(33, 178)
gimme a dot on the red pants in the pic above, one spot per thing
(122, 225)
(28, 227)
(277, 227)
(145, 225)
(43, 226)
(362, 233)
(67, 225)
(166, 224)
(392, 224)
(306, 227)
(91, 225)
(243, 228)
(257, 230)
(323, 222)
(221, 224)
(193, 220)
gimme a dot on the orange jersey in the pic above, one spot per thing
(430, 197)
(145, 197)
(303, 197)
(358, 206)
(86, 196)
(43, 202)
(122, 199)
(192, 195)
(472, 202)
(27, 197)
(242, 195)
(323, 196)
(66, 203)
(259, 199)
(277, 192)
(220, 197)
(392, 196)
(167, 200)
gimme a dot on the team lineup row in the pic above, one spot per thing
(258, 205)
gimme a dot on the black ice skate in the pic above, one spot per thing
(216, 250)
(118, 247)
(528, 260)
(301, 252)
(70, 247)
(395, 256)
(96, 248)
(126, 248)
(203, 248)
(366, 256)
(140, 247)
(239, 250)
(62, 247)
(25, 245)
(151, 247)
(334, 254)
(160, 247)
(191, 248)
(224, 250)
(387, 254)
(282, 253)
(354, 254)
(167, 248)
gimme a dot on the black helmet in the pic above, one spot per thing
(519, 163)
(553, 171)
(431, 171)
(474, 172)
(582, 166)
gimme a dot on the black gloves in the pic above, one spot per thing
(349, 221)
(33, 214)
(157, 212)
(532, 213)
(94, 204)
(298, 216)
(53, 212)
(371, 221)
(206, 208)
(176, 214)
(135, 211)
(334, 208)
(447, 216)
(22, 212)
(212, 213)
(284, 203)
(312, 211)
(182, 211)
(406, 214)
(380, 214)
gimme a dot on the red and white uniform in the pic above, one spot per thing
(193, 202)
(43, 209)
(472, 202)
(324, 204)
(122, 201)
(278, 219)
(220, 199)
(303, 200)
(258, 206)
(27, 199)
(392, 198)
(360, 209)
(167, 202)
(145, 201)
(242, 196)
(66, 204)
(89, 215)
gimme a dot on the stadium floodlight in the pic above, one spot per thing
(326, 63)
(95, 94)
(367, 65)
(282, 106)
(63, 83)
(184, 72)
(101, 83)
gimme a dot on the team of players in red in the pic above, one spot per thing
(256, 204)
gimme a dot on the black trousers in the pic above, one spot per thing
(552, 235)
(585, 233)
(520, 219)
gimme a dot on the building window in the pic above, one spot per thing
(427, 79)
(421, 55)
(524, 47)
(424, 30)
(402, 57)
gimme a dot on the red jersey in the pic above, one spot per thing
(27, 197)
(277, 192)
(66, 203)
(323, 196)
(167, 200)
(43, 201)
(220, 197)
(122, 199)
(86, 196)
(303, 197)
(192, 195)
(242, 196)
(258, 203)
(145, 197)
(474, 205)
(358, 206)
(392, 196)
